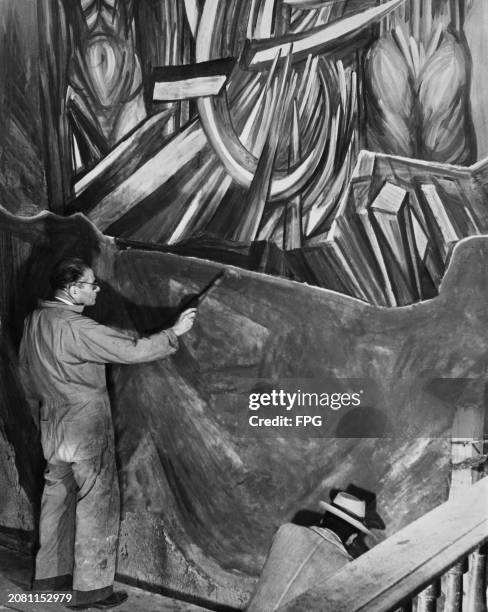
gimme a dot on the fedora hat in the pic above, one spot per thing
(350, 509)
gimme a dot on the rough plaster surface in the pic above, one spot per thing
(15, 508)
(200, 500)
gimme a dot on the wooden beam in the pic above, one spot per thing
(191, 80)
(153, 174)
(260, 54)
(407, 561)
(121, 161)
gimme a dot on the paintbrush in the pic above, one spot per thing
(194, 300)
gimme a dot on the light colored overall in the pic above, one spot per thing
(299, 559)
(62, 365)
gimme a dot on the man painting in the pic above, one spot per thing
(62, 359)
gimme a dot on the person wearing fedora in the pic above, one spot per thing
(301, 557)
(345, 519)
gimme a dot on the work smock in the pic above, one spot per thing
(63, 355)
(62, 364)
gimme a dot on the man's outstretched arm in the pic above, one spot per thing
(102, 344)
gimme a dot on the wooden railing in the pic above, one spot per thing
(405, 572)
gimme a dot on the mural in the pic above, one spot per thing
(195, 124)
(335, 145)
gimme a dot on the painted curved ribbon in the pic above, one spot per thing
(217, 124)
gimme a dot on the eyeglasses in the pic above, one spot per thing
(94, 285)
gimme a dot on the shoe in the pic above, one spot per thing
(115, 599)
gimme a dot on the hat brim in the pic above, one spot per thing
(346, 517)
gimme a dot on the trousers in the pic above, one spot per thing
(79, 522)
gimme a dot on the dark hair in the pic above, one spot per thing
(67, 271)
(339, 526)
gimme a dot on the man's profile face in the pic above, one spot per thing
(85, 290)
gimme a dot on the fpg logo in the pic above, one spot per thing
(305, 420)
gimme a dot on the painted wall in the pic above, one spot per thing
(200, 500)
(475, 29)
(202, 491)
(22, 175)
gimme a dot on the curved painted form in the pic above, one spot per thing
(217, 124)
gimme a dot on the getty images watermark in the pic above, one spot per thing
(311, 405)
(321, 407)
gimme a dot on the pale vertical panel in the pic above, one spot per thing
(476, 31)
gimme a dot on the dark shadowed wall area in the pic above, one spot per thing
(22, 191)
(22, 176)
(202, 493)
